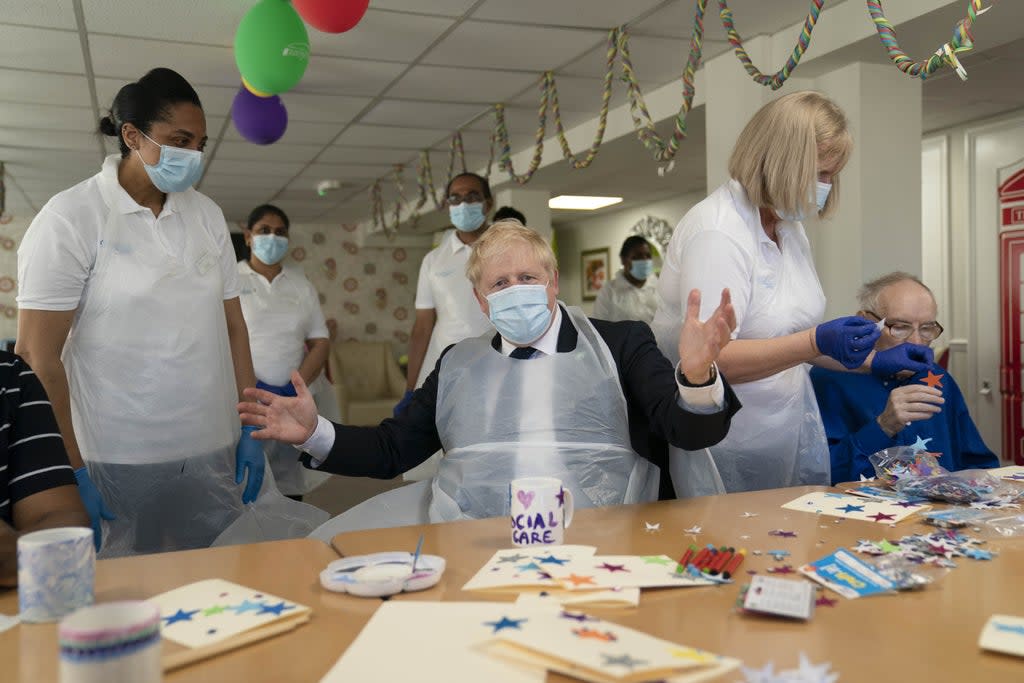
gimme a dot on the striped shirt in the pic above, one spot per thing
(32, 455)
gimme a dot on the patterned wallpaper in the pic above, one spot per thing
(366, 292)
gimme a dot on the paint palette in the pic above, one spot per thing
(380, 574)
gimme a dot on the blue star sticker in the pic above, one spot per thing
(834, 495)
(920, 444)
(247, 606)
(528, 567)
(1010, 628)
(978, 554)
(275, 609)
(180, 615)
(551, 559)
(504, 623)
(851, 508)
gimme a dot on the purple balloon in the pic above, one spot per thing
(260, 120)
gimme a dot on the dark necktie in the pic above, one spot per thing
(523, 352)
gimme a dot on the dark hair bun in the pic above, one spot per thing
(108, 127)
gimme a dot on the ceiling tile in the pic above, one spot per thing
(336, 109)
(388, 36)
(457, 84)
(565, 12)
(362, 135)
(256, 183)
(40, 49)
(269, 154)
(365, 155)
(751, 17)
(33, 87)
(48, 13)
(431, 114)
(299, 209)
(522, 119)
(120, 58)
(54, 139)
(342, 172)
(534, 48)
(339, 76)
(216, 100)
(448, 8)
(297, 133)
(46, 117)
(280, 169)
(197, 21)
(220, 192)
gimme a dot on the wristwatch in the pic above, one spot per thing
(681, 378)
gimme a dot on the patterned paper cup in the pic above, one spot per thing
(56, 571)
(111, 643)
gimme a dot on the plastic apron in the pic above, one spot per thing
(152, 400)
(777, 438)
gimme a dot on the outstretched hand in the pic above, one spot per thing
(291, 420)
(701, 342)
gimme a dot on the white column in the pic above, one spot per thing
(878, 226)
(532, 203)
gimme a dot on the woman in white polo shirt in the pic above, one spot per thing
(129, 314)
(286, 331)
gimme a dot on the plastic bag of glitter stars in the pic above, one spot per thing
(937, 548)
(894, 464)
(904, 574)
(965, 486)
(1012, 525)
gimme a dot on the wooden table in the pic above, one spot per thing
(290, 569)
(924, 636)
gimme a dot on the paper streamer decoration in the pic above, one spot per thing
(332, 16)
(776, 80)
(260, 120)
(271, 47)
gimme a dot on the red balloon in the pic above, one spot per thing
(331, 16)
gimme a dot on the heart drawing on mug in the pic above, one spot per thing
(525, 497)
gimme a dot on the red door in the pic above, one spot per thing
(1011, 312)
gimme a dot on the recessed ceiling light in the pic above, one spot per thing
(581, 203)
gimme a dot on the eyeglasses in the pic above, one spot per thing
(469, 198)
(899, 330)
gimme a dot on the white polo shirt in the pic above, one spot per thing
(281, 315)
(444, 287)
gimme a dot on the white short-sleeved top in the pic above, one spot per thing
(619, 299)
(57, 254)
(281, 315)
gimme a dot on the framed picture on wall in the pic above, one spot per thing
(594, 264)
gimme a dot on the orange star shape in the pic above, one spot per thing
(607, 636)
(933, 380)
(579, 580)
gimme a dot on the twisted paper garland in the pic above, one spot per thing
(776, 80)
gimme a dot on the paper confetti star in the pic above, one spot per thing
(784, 569)
(622, 660)
(655, 559)
(749, 514)
(920, 444)
(551, 559)
(530, 567)
(275, 609)
(782, 534)
(247, 606)
(652, 528)
(888, 547)
(744, 537)
(932, 380)
(215, 609)
(576, 616)
(511, 559)
(906, 504)
(879, 517)
(765, 674)
(592, 634)
(851, 508)
(612, 567)
(825, 601)
(692, 530)
(778, 555)
(1009, 628)
(813, 673)
(504, 623)
(978, 554)
(576, 580)
(863, 478)
(180, 615)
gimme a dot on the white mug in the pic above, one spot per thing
(56, 572)
(115, 642)
(541, 510)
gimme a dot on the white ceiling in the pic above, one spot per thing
(405, 78)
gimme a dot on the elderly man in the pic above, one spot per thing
(864, 414)
(552, 394)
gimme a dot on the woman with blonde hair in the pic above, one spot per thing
(748, 236)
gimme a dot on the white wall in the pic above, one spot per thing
(606, 230)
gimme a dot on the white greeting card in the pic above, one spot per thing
(853, 507)
(613, 597)
(1003, 633)
(623, 571)
(519, 569)
(1012, 472)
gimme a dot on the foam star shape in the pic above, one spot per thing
(592, 634)
(655, 559)
(784, 569)
(180, 615)
(868, 548)
(812, 673)
(749, 514)
(215, 609)
(932, 380)
(275, 609)
(692, 530)
(577, 580)
(825, 601)
(1009, 628)
(247, 606)
(880, 516)
(576, 616)
(765, 674)
(920, 444)
(782, 534)
(511, 559)
(851, 508)
(652, 528)
(906, 504)
(612, 567)
(504, 623)
(622, 660)
(978, 554)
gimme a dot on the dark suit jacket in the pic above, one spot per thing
(397, 445)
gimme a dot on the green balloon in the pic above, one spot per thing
(272, 46)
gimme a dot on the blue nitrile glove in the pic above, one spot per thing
(249, 456)
(403, 404)
(849, 340)
(283, 390)
(913, 358)
(94, 504)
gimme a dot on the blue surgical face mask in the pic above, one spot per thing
(642, 269)
(821, 192)
(177, 169)
(520, 313)
(269, 249)
(467, 217)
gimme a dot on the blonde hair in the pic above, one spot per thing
(502, 236)
(776, 156)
